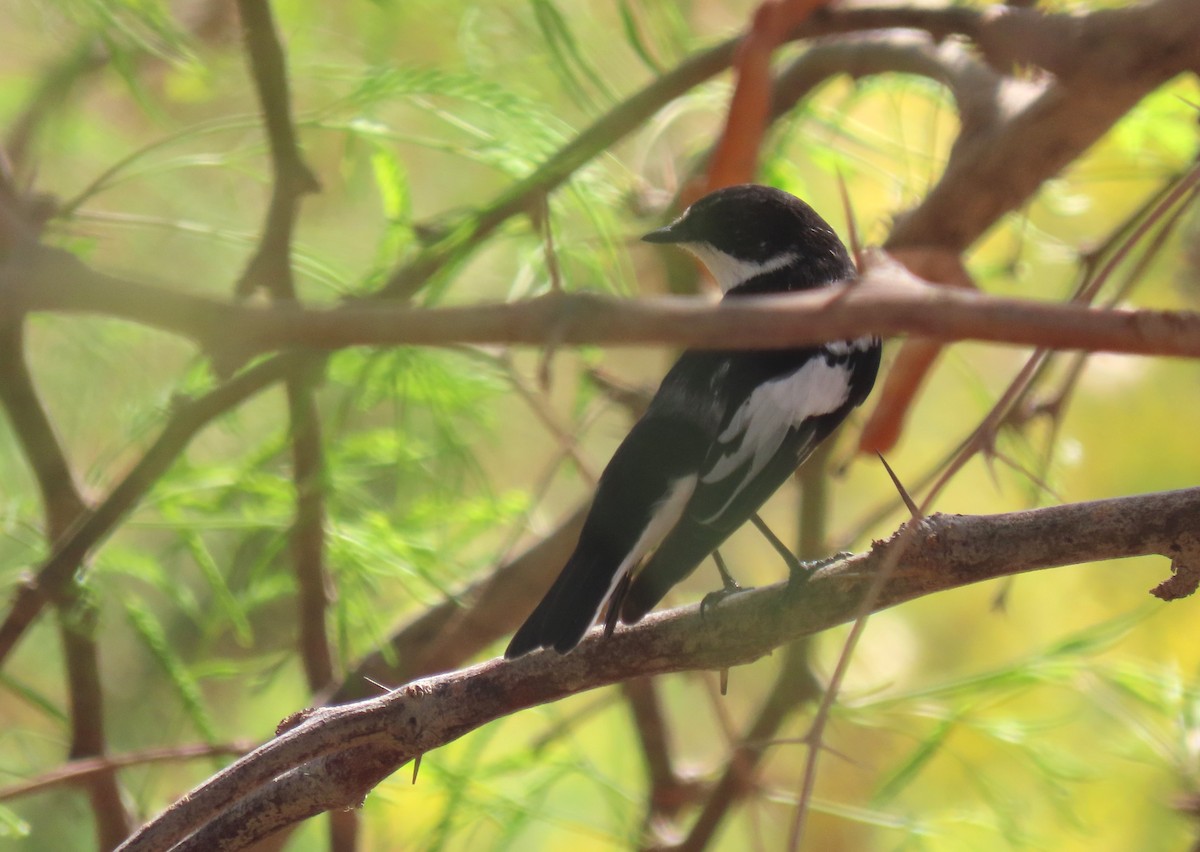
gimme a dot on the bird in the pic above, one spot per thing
(724, 430)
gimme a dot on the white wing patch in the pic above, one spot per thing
(663, 518)
(767, 415)
(858, 344)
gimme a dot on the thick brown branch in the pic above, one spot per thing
(886, 302)
(996, 167)
(1147, 46)
(332, 757)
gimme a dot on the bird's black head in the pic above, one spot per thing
(747, 231)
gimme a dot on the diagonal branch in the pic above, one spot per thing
(332, 757)
(63, 506)
(70, 551)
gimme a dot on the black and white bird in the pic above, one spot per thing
(724, 430)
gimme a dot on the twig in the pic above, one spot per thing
(81, 770)
(68, 555)
(271, 269)
(63, 506)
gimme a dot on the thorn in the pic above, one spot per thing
(384, 689)
(545, 375)
(416, 768)
(908, 501)
(548, 241)
(852, 230)
(724, 682)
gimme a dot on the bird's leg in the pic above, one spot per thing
(730, 585)
(799, 572)
(794, 565)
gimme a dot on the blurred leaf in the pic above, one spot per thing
(148, 628)
(633, 35)
(906, 772)
(391, 179)
(12, 825)
(228, 606)
(34, 698)
(568, 60)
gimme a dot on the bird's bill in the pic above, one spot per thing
(667, 234)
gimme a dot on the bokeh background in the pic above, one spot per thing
(1055, 711)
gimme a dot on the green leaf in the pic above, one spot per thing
(906, 772)
(12, 825)
(147, 627)
(229, 607)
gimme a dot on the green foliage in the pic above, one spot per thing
(1067, 720)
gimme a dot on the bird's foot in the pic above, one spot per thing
(799, 573)
(729, 585)
(714, 598)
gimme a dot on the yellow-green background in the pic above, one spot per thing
(1064, 719)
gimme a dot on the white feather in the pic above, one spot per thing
(728, 271)
(663, 517)
(858, 344)
(772, 409)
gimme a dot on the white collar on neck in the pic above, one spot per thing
(728, 271)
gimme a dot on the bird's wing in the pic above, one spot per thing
(777, 417)
(639, 499)
(764, 436)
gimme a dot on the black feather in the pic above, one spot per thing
(756, 240)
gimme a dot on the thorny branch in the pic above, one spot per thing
(331, 758)
(886, 301)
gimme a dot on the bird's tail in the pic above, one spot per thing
(675, 559)
(571, 605)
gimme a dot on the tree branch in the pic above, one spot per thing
(332, 757)
(271, 268)
(81, 770)
(63, 506)
(887, 302)
(70, 551)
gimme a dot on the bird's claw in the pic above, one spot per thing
(714, 598)
(800, 573)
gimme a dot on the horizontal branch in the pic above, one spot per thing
(887, 302)
(332, 757)
(85, 769)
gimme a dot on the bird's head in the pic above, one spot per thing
(746, 232)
